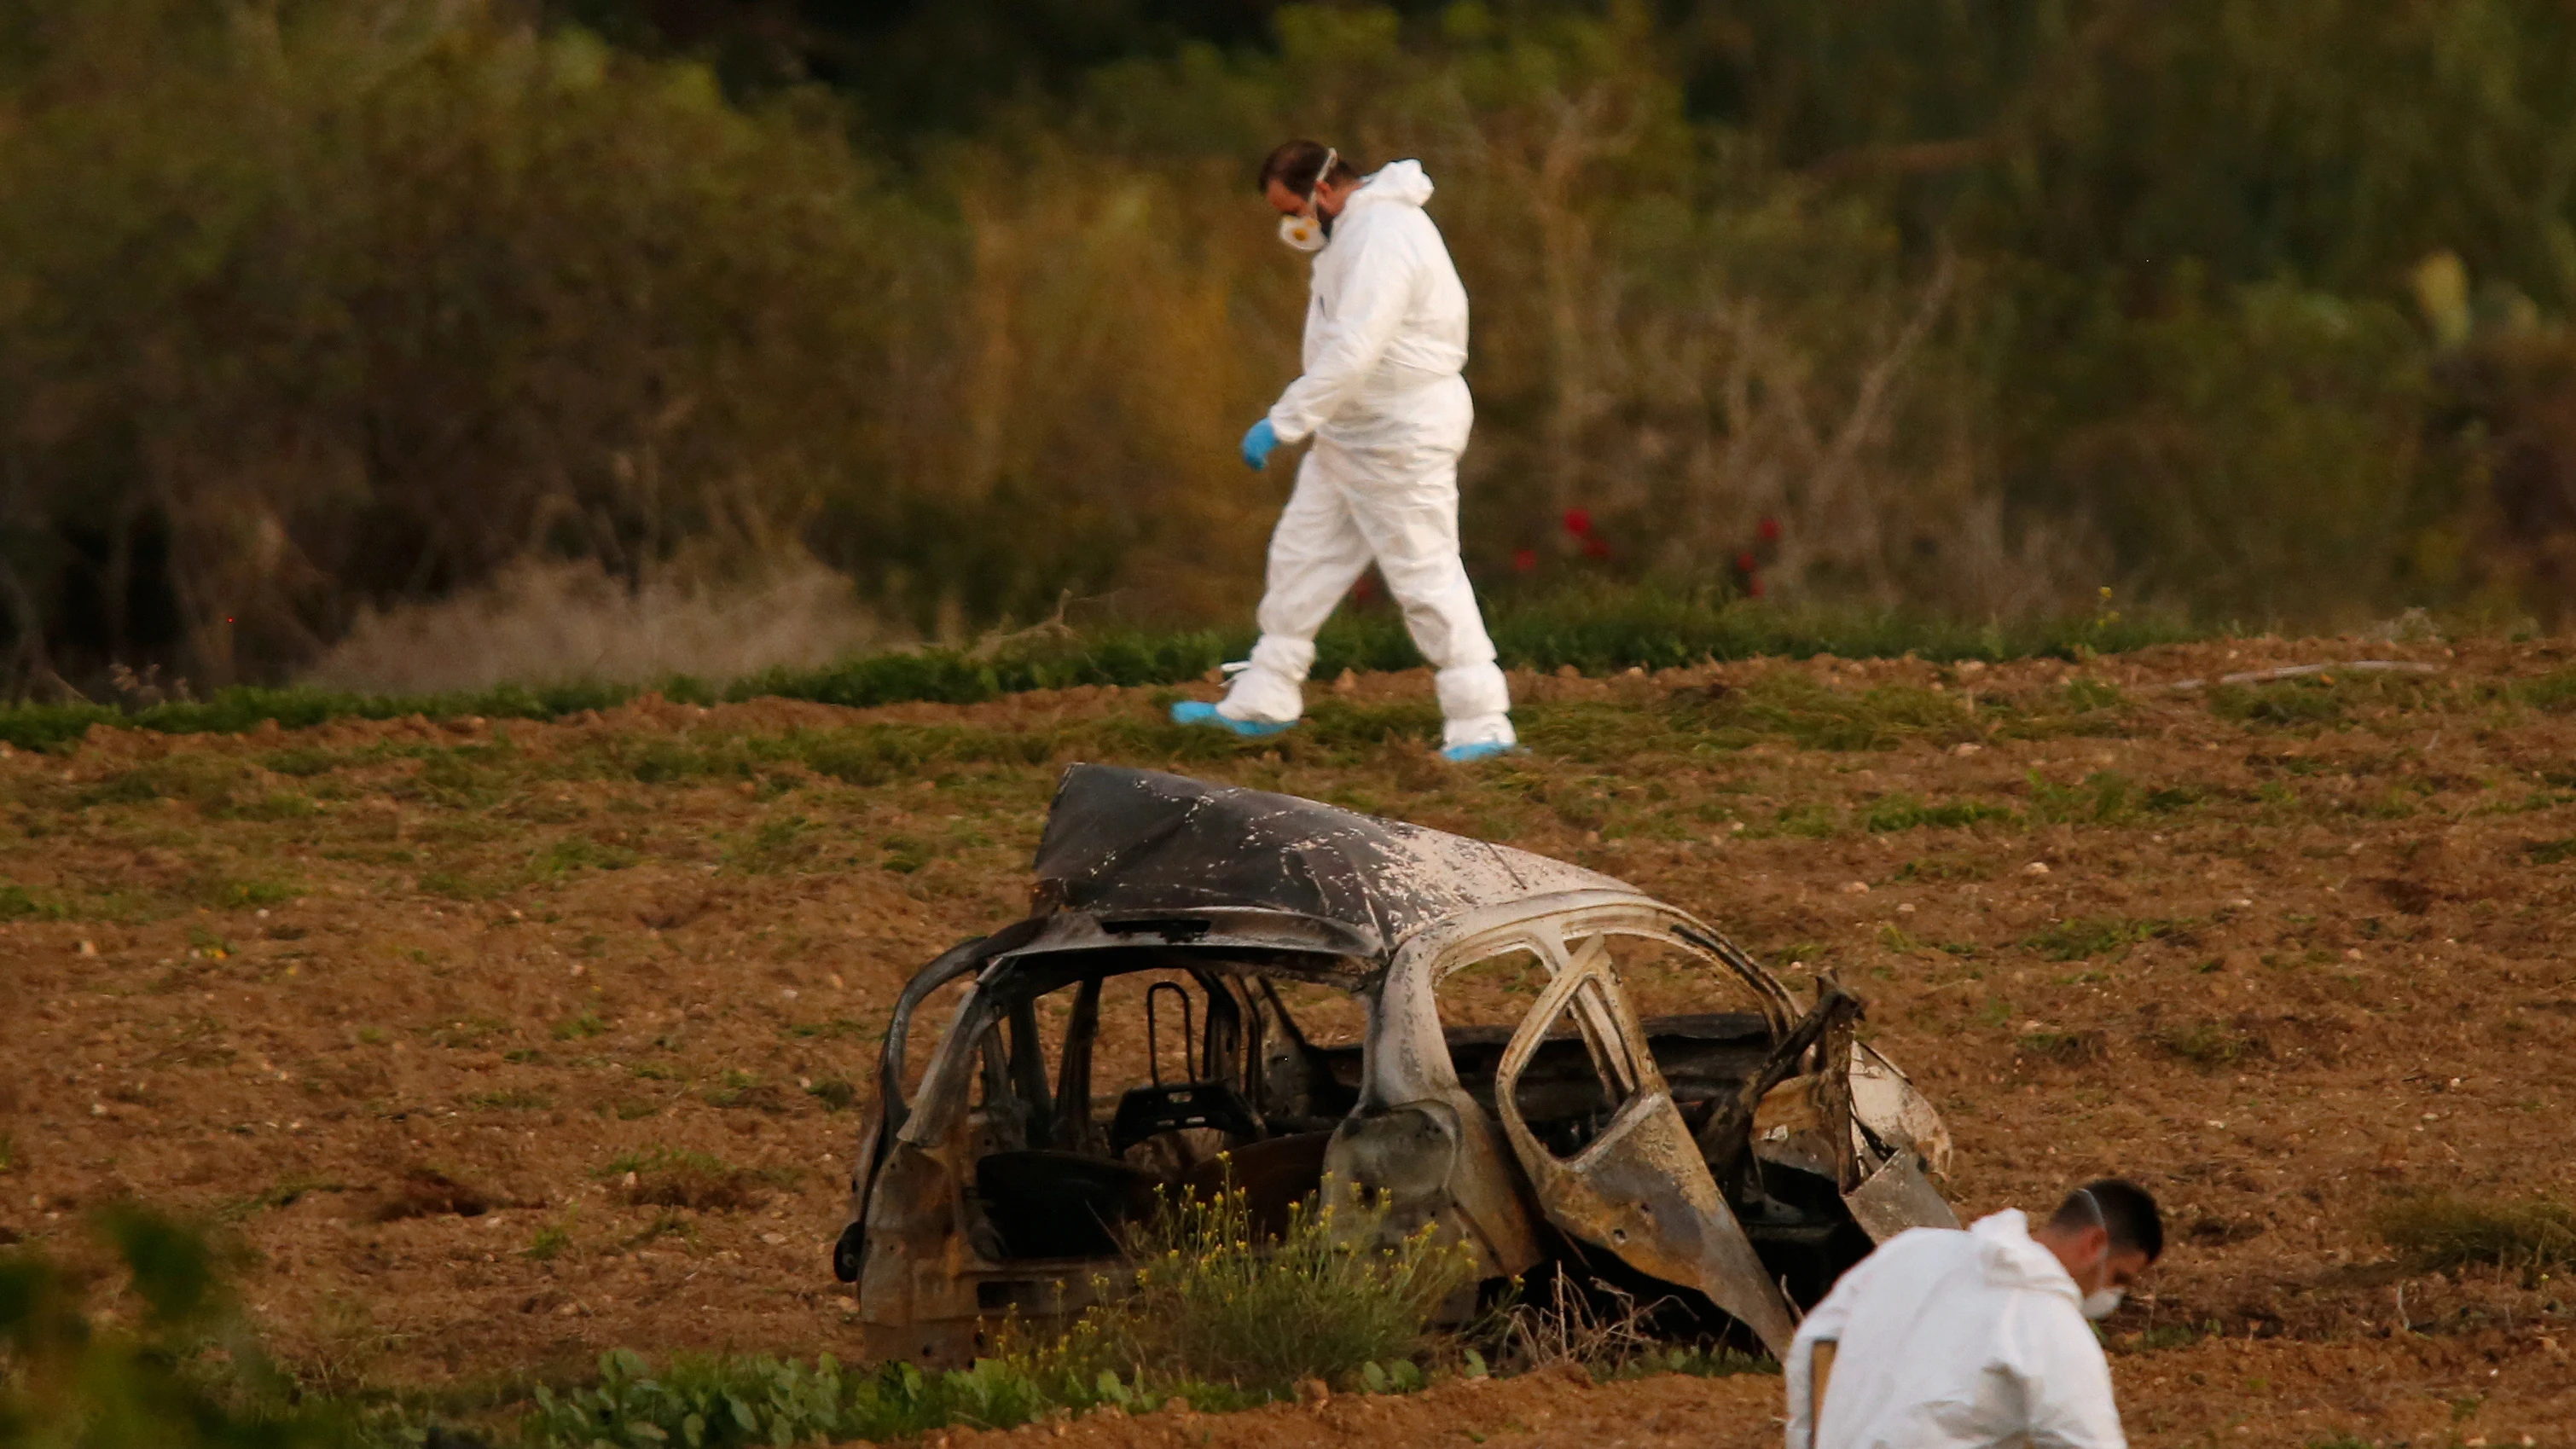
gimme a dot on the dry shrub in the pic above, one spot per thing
(2439, 1230)
(426, 1192)
(693, 1180)
(458, 288)
(1599, 1330)
(540, 622)
(2213, 1043)
(2064, 1047)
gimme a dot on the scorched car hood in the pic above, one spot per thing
(1121, 840)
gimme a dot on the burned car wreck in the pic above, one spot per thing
(1167, 1001)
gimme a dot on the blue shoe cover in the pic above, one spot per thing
(1200, 712)
(1482, 750)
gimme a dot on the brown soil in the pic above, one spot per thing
(490, 1058)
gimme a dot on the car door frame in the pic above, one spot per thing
(1639, 1190)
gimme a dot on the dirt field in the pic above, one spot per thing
(441, 1021)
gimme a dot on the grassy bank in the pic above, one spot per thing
(1594, 636)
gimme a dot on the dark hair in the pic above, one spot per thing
(1299, 166)
(2123, 1209)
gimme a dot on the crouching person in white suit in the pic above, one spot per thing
(1382, 398)
(1976, 1340)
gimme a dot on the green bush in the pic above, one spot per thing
(187, 1375)
(1216, 1311)
(1215, 1300)
(723, 1403)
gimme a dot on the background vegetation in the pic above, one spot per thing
(310, 312)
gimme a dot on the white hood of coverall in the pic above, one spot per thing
(1386, 328)
(1956, 1340)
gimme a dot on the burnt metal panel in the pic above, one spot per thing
(1141, 841)
(1898, 1196)
(1641, 1188)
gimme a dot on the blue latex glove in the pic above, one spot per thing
(1258, 443)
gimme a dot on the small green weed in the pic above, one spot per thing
(666, 1224)
(671, 1178)
(2209, 1043)
(579, 1028)
(1697, 1361)
(839, 1028)
(1905, 812)
(575, 852)
(737, 1088)
(240, 894)
(2553, 693)
(17, 903)
(1814, 820)
(2175, 1335)
(837, 1093)
(472, 1032)
(457, 885)
(550, 1243)
(283, 1194)
(776, 845)
(2062, 1046)
(205, 781)
(2290, 704)
(2089, 936)
(2551, 852)
(276, 805)
(1789, 704)
(301, 763)
(2105, 797)
(470, 777)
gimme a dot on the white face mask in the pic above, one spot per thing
(1308, 232)
(2101, 1303)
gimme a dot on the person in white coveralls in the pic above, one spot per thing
(1382, 399)
(1945, 1339)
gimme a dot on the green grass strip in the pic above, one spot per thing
(1596, 635)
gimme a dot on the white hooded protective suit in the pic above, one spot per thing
(1386, 335)
(1955, 1340)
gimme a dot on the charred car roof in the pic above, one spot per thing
(1138, 847)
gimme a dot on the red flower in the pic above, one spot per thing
(1365, 589)
(1578, 521)
(1745, 562)
(1595, 548)
(1768, 530)
(1753, 587)
(1524, 560)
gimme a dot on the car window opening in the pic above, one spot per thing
(1164, 1081)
